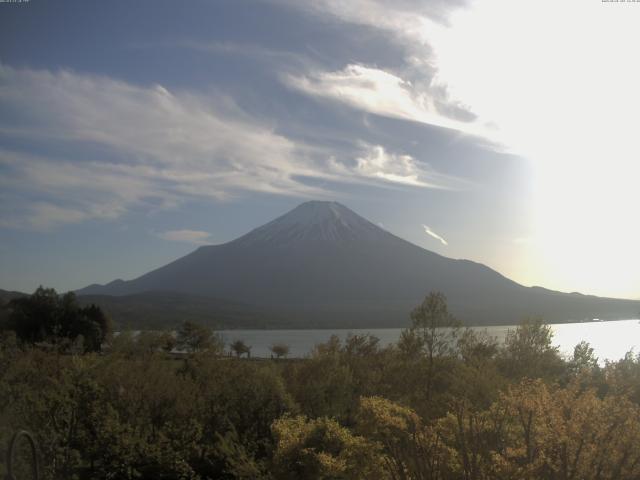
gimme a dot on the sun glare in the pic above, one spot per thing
(556, 79)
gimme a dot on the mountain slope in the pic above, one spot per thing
(6, 296)
(325, 265)
(160, 310)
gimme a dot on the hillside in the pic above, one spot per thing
(161, 310)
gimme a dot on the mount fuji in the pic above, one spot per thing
(322, 265)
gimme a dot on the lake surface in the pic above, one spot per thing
(610, 340)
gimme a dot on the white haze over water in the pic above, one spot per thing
(610, 340)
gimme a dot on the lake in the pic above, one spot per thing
(610, 340)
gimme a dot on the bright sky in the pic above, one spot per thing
(560, 82)
(497, 130)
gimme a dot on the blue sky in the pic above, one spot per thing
(131, 132)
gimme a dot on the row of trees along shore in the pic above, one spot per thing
(190, 338)
(441, 403)
(58, 322)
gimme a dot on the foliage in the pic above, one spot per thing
(280, 349)
(435, 406)
(322, 386)
(240, 348)
(151, 342)
(193, 337)
(409, 449)
(435, 330)
(529, 352)
(434, 326)
(321, 448)
(46, 316)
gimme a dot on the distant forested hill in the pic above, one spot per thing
(161, 310)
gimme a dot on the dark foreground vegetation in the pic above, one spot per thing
(441, 404)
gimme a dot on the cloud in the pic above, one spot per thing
(411, 89)
(410, 19)
(254, 51)
(196, 237)
(44, 192)
(369, 89)
(128, 146)
(182, 138)
(382, 93)
(377, 163)
(430, 232)
(113, 147)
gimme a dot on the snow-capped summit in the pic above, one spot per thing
(314, 221)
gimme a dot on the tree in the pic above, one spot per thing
(240, 348)
(409, 344)
(94, 326)
(34, 318)
(330, 347)
(583, 359)
(123, 343)
(280, 349)
(361, 345)
(529, 352)
(568, 433)
(46, 316)
(323, 386)
(477, 347)
(239, 463)
(194, 338)
(475, 379)
(322, 448)
(151, 342)
(436, 330)
(242, 399)
(435, 326)
(410, 449)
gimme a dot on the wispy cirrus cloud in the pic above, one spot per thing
(169, 133)
(410, 19)
(113, 146)
(250, 50)
(44, 192)
(383, 93)
(195, 237)
(129, 146)
(411, 90)
(433, 234)
(376, 162)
